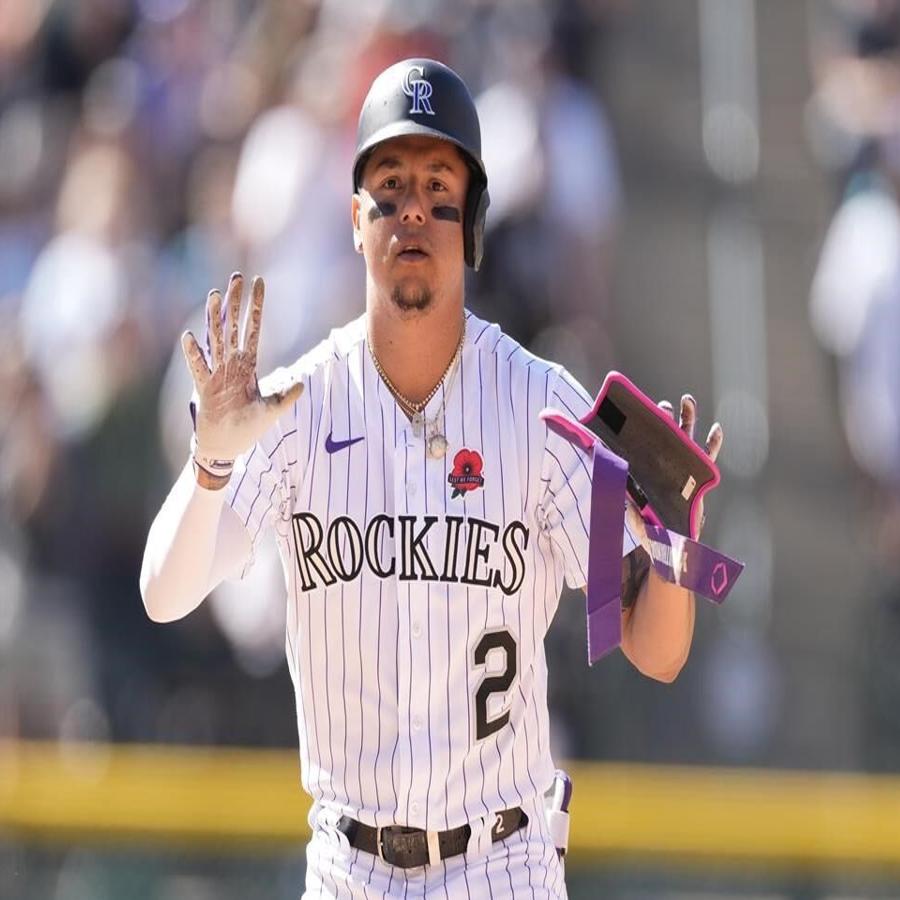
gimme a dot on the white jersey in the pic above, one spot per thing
(419, 590)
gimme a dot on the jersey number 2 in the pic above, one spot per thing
(492, 684)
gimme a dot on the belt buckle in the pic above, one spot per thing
(432, 841)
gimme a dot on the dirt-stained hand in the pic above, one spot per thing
(232, 413)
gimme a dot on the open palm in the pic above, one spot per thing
(232, 413)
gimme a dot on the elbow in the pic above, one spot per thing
(151, 594)
(157, 612)
(648, 664)
(667, 676)
(650, 670)
(151, 603)
(154, 614)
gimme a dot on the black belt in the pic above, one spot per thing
(409, 847)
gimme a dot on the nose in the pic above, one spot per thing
(412, 207)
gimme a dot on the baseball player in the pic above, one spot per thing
(426, 519)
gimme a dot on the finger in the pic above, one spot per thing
(253, 317)
(233, 311)
(214, 328)
(195, 359)
(666, 407)
(280, 402)
(714, 441)
(688, 416)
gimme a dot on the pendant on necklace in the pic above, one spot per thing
(418, 424)
(437, 446)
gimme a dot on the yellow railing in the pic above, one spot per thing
(193, 796)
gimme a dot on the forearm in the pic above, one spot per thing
(657, 630)
(177, 571)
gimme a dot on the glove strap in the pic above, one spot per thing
(692, 565)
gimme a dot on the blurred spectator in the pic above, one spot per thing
(855, 307)
(855, 312)
(855, 299)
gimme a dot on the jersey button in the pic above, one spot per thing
(416, 629)
(414, 808)
(411, 488)
(417, 723)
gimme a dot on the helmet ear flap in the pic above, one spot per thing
(477, 204)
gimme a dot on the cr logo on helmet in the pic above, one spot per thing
(419, 89)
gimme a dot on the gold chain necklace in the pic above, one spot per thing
(436, 440)
(413, 407)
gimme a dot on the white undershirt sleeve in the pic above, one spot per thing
(195, 542)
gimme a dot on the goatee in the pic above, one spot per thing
(411, 300)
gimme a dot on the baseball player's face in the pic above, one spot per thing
(407, 221)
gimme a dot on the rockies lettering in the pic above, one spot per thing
(324, 555)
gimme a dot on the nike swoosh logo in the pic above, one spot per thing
(332, 446)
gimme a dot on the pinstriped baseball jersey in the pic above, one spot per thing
(419, 590)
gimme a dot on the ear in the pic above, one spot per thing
(355, 207)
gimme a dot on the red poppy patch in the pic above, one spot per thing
(466, 474)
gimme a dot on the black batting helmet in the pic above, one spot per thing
(422, 96)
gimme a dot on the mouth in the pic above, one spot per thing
(412, 253)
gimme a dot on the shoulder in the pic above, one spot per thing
(489, 339)
(560, 387)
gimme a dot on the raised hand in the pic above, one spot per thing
(232, 413)
(634, 566)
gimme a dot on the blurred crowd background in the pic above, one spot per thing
(700, 194)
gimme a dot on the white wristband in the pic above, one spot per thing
(218, 467)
